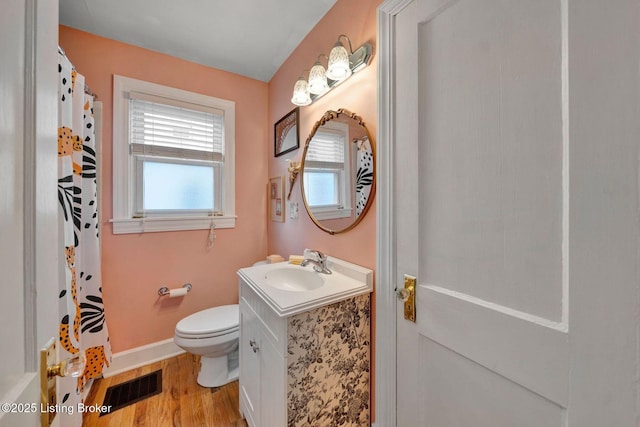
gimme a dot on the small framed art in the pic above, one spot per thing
(276, 199)
(285, 133)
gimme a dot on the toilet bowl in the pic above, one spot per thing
(213, 335)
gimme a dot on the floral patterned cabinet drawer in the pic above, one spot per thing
(322, 376)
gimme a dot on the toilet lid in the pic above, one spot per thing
(213, 321)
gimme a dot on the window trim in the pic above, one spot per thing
(344, 209)
(124, 220)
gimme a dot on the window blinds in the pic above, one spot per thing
(326, 147)
(168, 128)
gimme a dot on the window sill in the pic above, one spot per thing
(322, 214)
(153, 225)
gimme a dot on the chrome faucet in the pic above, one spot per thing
(319, 264)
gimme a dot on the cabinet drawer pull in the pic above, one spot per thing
(254, 346)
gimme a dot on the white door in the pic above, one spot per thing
(515, 137)
(28, 202)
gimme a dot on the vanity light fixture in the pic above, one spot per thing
(300, 93)
(340, 66)
(318, 84)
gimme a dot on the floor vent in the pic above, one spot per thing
(124, 394)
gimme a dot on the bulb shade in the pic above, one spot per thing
(317, 80)
(300, 94)
(338, 68)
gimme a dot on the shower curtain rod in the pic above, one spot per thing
(87, 90)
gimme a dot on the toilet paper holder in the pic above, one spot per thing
(165, 291)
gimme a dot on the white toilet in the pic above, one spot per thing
(212, 334)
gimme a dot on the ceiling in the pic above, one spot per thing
(247, 37)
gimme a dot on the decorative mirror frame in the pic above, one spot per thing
(326, 117)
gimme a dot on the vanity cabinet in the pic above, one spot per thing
(310, 368)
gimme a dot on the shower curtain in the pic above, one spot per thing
(364, 175)
(82, 321)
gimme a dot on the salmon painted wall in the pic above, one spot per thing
(134, 266)
(356, 19)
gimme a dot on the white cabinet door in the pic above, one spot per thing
(272, 385)
(263, 369)
(516, 143)
(250, 397)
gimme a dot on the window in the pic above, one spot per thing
(327, 173)
(173, 159)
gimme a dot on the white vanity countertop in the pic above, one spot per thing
(347, 280)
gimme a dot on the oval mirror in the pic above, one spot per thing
(338, 171)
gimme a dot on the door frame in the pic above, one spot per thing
(40, 205)
(386, 305)
(41, 177)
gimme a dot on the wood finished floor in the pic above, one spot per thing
(182, 403)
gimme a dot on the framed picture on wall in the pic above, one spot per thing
(276, 198)
(286, 135)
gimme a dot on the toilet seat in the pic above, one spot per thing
(211, 322)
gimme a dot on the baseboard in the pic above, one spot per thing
(140, 356)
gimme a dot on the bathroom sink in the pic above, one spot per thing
(293, 279)
(292, 289)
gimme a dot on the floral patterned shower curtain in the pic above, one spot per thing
(82, 322)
